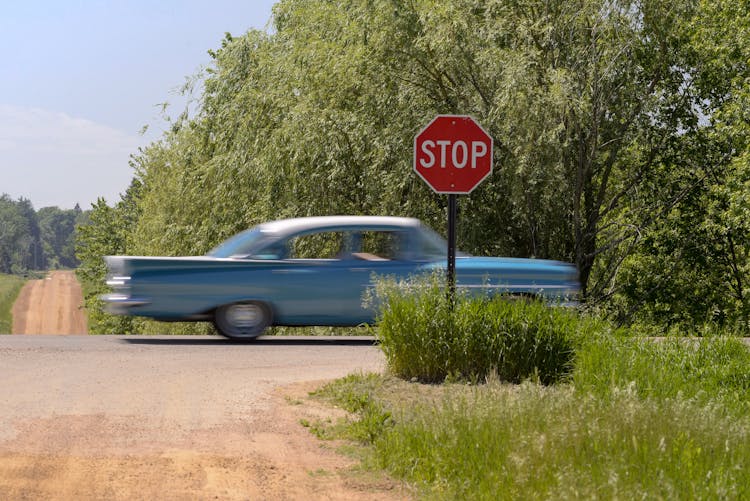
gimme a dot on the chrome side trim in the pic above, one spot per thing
(117, 281)
(120, 304)
(513, 286)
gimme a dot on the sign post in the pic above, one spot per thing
(452, 245)
(452, 154)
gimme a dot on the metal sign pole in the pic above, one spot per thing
(451, 247)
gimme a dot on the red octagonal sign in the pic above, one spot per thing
(453, 154)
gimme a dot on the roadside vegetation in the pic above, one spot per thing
(622, 145)
(10, 286)
(605, 413)
(428, 336)
(529, 441)
(621, 133)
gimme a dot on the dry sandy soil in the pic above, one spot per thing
(52, 305)
(105, 417)
(273, 458)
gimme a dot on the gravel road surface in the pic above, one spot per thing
(132, 417)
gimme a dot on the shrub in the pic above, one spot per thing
(427, 337)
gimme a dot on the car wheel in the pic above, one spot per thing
(245, 320)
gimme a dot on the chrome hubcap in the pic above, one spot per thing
(244, 316)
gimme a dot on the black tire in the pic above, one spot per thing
(246, 320)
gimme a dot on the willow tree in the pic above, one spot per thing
(610, 119)
(318, 117)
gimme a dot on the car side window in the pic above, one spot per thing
(380, 246)
(323, 245)
(431, 245)
(276, 250)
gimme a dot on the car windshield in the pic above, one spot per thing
(239, 245)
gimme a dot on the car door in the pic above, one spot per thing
(327, 273)
(374, 253)
(306, 281)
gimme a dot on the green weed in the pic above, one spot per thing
(426, 336)
(10, 286)
(355, 394)
(534, 442)
(528, 441)
(638, 417)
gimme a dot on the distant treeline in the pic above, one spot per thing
(37, 239)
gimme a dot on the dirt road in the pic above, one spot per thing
(52, 305)
(132, 417)
(112, 417)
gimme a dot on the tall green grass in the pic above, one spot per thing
(537, 443)
(426, 336)
(633, 417)
(709, 369)
(10, 286)
(637, 418)
(528, 441)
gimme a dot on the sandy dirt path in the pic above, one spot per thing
(169, 418)
(52, 305)
(119, 418)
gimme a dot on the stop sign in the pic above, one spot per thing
(453, 154)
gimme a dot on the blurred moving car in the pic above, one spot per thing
(311, 271)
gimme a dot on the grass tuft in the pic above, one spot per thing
(702, 369)
(637, 418)
(10, 286)
(428, 338)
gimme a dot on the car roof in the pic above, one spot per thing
(301, 224)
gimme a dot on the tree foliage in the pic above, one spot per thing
(105, 233)
(58, 231)
(694, 264)
(36, 240)
(619, 127)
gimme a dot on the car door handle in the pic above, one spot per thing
(359, 269)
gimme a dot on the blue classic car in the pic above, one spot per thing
(310, 271)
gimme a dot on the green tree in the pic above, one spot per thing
(694, 266)
(58, 233)
(318, 118)
(613, 123)
(31, 246)
(105, 232)
(20, 248)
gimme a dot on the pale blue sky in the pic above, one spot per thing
(80, 78)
